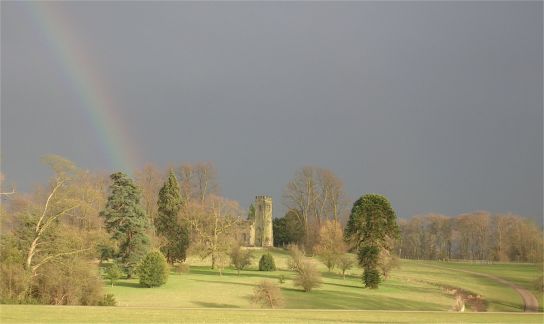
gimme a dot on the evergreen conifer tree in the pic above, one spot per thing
(126, 221)
(371, 228)
(167, 224)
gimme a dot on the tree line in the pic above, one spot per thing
(471, 236)
(54, 238)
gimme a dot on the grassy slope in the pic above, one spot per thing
(498, 296)
(203, 287)
(416, 286)
(521, 274)
(82, 314)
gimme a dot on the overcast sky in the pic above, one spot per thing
(437, 105)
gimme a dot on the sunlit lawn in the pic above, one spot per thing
(82, 314)
(416, 288)
(522, 274)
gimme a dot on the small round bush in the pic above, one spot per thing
(371, 278)
(267, 294)
(153, 270)
(307, 276)
(113, 273)
(107, 300)
(266, 263)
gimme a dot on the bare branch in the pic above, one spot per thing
(52, 257)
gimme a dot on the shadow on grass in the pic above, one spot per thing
(243, 274)
(214, 305)
(128, 284)
(323, 298)
(226, 282)
(343, 285)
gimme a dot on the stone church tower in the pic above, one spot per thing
(263, 221)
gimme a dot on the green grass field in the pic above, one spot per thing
(520, 274)
(415, 286)
(82, 314)
(416, 289)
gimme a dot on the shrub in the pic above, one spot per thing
(107, 300)
(281, 279)
(371, 278)
(14, 281)
(539, 283)
(239, 258)
(106, 251)
(345, 262)
(266, 263)
(113, 273)
(307, 276)
(153, 270)
(297, 257)
(221, 261)
(388, 263)
(331, 243)
(72, 283)
(267, 294)
(182, 268)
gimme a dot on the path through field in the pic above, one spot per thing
(529, 300)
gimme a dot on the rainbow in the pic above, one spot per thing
(97, 104)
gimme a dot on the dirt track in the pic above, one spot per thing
(529, 300)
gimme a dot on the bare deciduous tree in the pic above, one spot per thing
(475, 236)
(214, 224)
(331, 243)
(345, 262)
(149, 179)
(197, 181)
(315, 195)
(60, 201)
(267, 294)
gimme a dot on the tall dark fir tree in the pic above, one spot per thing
(371, 230)
(174, 232)
(126, 221)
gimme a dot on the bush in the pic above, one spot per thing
(239, 258)
(281, 279)
(331, 243)
(371, 278)
(107, 300)
(345, 262)
(14, 281)
(221, 261)
(297, 257)
(113, 273)
(388, 263)
(307, 276)
(266, 263)
(182, 268)
(539, 284)
(153, 270)
(72, 283)
(106, 252)
(267, 294)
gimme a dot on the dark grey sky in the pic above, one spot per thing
(437, 105)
